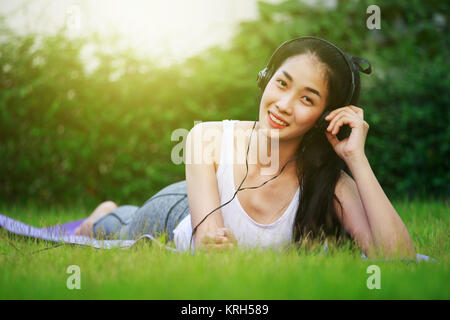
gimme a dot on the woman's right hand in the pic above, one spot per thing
(222, 239)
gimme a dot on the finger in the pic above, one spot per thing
(339, 116)
(221, 239)
(332, 116)
(339, 110)
(333, 113)
(352, 121)
(216, 239)
(219, 236)
(332, 138)
(343, 120)
(226, 237)
(358, 111)
(230, 235)
(208, 238)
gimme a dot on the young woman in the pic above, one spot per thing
(329, 190)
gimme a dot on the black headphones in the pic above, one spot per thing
(263, 78)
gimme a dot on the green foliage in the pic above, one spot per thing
(67, 132)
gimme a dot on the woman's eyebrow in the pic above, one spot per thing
(287, 75)
(307, 88)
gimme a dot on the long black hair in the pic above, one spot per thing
(318, 166)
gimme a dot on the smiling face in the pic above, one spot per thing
(296, 94)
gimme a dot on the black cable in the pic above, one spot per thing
(48, 248)
(33, 252)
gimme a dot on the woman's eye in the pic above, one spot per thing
(309, 100)
(283, 83)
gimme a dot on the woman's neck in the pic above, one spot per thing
(273, 153)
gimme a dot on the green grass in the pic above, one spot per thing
(148, 272)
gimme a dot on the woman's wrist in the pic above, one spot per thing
(357, 161)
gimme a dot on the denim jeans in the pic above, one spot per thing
(161, 213)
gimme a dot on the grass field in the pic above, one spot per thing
(149, 272)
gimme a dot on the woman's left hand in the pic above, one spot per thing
(223, 239)
(350, 148)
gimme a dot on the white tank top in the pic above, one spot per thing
(248, 232)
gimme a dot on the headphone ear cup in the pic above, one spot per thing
(321, 122)
(261, 80)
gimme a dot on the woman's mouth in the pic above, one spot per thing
(275, 122)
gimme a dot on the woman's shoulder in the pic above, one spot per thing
(212, 132)
(209, 135)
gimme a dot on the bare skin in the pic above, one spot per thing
(86, 228)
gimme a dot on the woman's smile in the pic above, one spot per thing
(275, 121)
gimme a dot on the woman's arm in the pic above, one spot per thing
(350, 212)
(202, 189)
(390, 236)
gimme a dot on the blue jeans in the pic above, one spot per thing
(161, 213)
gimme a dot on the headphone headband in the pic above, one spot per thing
(352, 62)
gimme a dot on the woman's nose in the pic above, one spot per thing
(285, 104)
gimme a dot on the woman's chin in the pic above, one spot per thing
(267, 131)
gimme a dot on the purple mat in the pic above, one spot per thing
(65, 228)
(64, 233)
